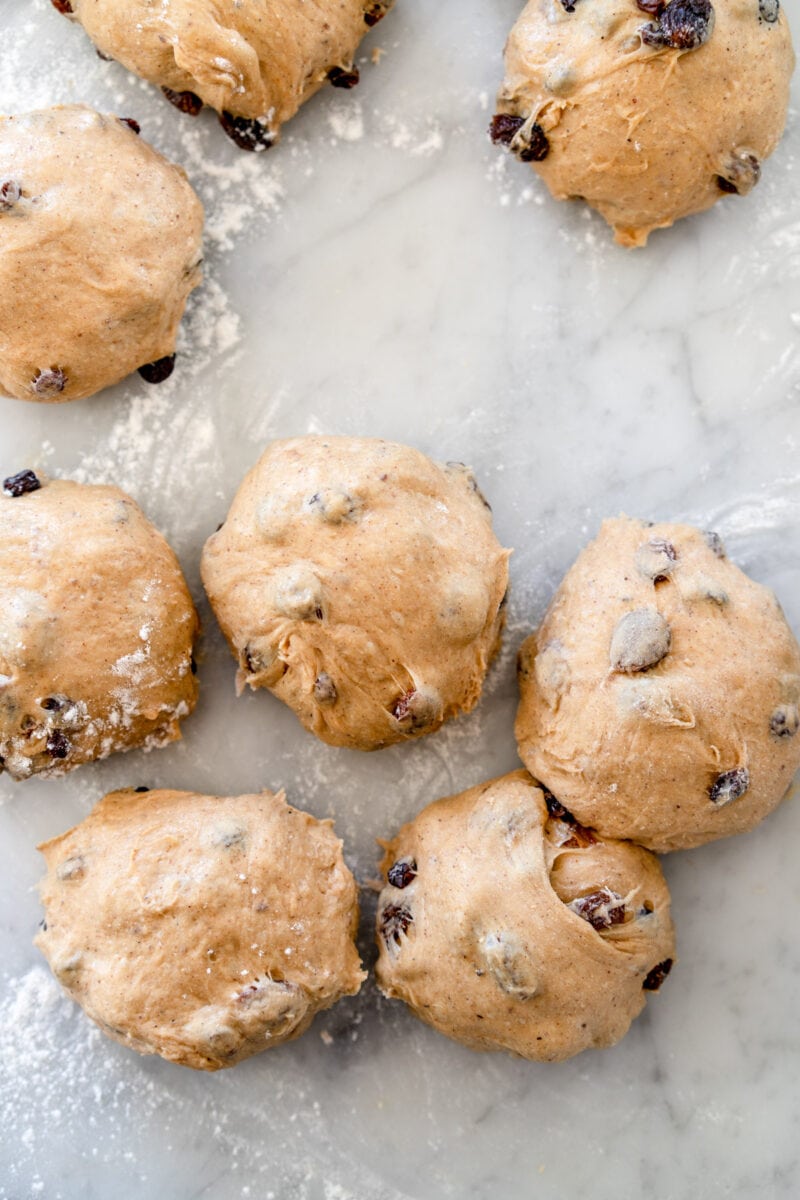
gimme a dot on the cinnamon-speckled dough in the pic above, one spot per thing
(255, 61)
(660, 695)
(362, 584)
(100, 245)
(200, 928)
(510, 927)
(96, 628)
(643, 129)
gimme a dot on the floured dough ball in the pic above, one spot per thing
(362, 584)
(200, 928)
(100, 245)
(649, 111)
(254, 61)
(660, 697)
(507, 926)
(96, 628)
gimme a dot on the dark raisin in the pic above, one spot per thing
(555, 808)
(9, 194)
(187, 102)
(395, 921)
(654, 979)
(158, 371)
(57, 744)
(50, 382)
(325, 689)
(132, 124)
(769, 10)
(741, 175)
(142, 789)
(714, 542)
(504, 127)
(19, 484)
(682, 25)
(641, 639)
(730, 785)
(248, 133)
(375, 13)
(601, 909)
(63, 6)
(343, 77)
(537, 146)
(401, 873)
(653, 7)
(52, 703)
(569, 5)
(414, 710)
(785, 721)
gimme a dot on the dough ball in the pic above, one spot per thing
(649, 111)
(99, 249)
(510, 927)
(660, 697)
(254, 61)
(362, 584)
(200, 928)
(96, 628)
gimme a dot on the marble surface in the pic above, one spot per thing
(386, 271)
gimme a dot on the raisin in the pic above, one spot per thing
(640, 641)
(654, 559)
(50, 382)
(537, 147)
(19, 484)
(601, 909)
(769, 10)
(142, 788)
(343, 77)
(375, 13)
(401, 873)
(158, 371)
(63, 6)
(416, 709)
(785, 721)
(504, 127)
(728, 786)
(57, 744)
(246, 132)
(681, 25)
(325, 689)
(653, 7)
(569, 5)
(53, 703)
(187, 102)
(395, 921)
(714, 542)
(742, 173)
(654, 979)
(9, 194)
(134, 125)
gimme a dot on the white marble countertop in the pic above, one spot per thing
(386, 271)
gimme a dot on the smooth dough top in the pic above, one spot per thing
(96, 629)
(362, 584)
(200, 928)
(252, 58)
(647, 117)
(100, 245)
(510, 927)
(659, 697)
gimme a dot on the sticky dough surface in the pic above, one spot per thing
(697, 745)
(641, 132)
(96, 630)
(97, 255)
(484, 940)
(200, 928)
(362, 584)
(253, 59)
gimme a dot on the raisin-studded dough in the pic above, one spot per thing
(647, 115)
(507, 926)
(659, 697)
(362, 584)
(255, 61)
(100, 245)
(96, 628)
(200, 928)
